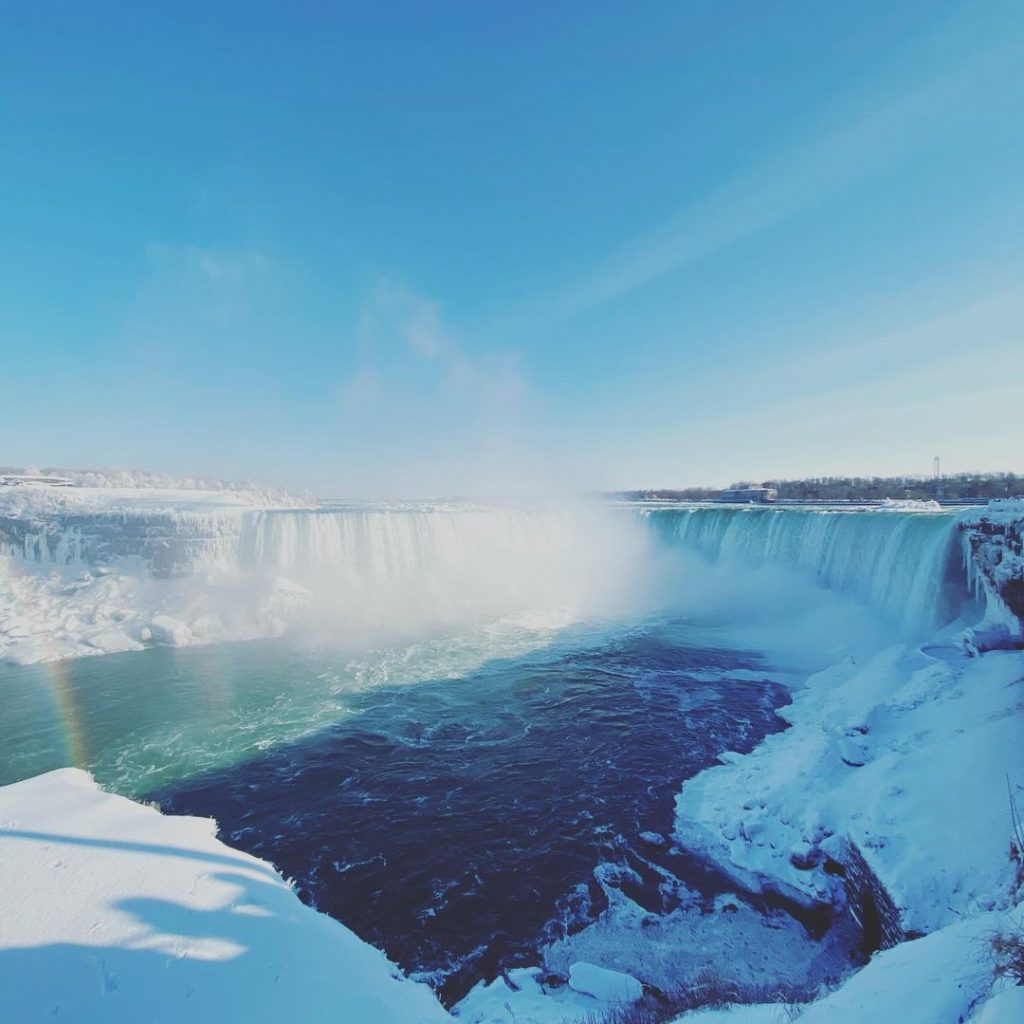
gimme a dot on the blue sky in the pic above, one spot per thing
(475, 247)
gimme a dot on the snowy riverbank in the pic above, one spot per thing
(901, 764)
(113, 912)
(886, 795)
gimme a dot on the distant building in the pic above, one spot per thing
(750, 495)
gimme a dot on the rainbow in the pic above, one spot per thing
(72, 746)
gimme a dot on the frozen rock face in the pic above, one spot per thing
(994, 548)
(162, 544)
(126, 519)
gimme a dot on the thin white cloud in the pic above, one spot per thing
(401, 334)
(845, 148)
(361, 389)
(209, 283)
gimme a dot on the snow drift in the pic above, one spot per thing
(113, 912)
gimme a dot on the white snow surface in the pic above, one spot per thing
(522, 997)
(943, 978)
(64, 608)
(30, 493)
(113, 912)
(910, 505)
(907, 755)
(1004, 511)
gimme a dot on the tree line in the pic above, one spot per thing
(857, 488)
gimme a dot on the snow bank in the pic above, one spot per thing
(603, 984)
(994, 553)
(113, 913)
(524, 996)
(1002, 511)
(30, 490)
(944, 978)
(1005, 1008)
(96, 562)
(906, 756)
(48, 616)
(909, 505)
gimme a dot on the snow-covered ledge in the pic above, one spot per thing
(994, 555)
(112, 912)
(906, 757)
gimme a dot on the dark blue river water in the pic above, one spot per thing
(459, 824)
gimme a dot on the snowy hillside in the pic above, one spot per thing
(32, 492)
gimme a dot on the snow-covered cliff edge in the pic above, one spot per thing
(113, 912)
(994, 553)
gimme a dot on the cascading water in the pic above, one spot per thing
(398, 565)
(393, 544)
(414, 560)
(906, 565)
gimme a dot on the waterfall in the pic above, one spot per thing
(907, 565)
(395, 544)
(500, 558)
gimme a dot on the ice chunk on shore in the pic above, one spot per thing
(606, 985)
(113, 641)
(170, 631)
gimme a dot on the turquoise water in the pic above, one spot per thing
(145, 719)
